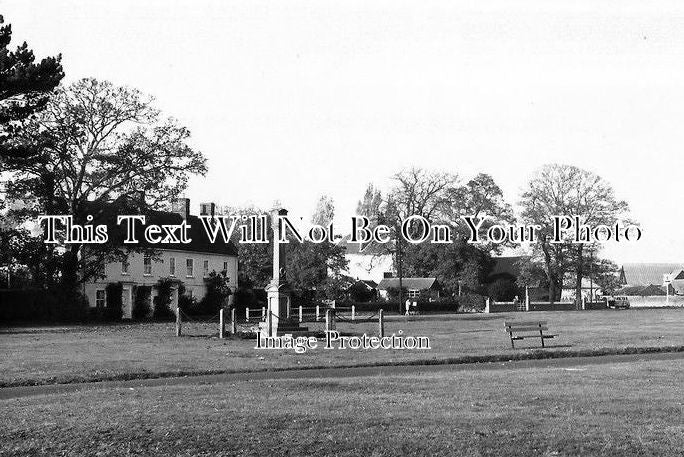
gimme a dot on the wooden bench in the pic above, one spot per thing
(519, 330)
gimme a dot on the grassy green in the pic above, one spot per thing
(66, 354)
(609, 410)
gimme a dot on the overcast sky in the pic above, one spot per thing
(291, 99)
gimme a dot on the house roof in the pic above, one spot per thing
(105, 214)
(676, 275)
(408, 283)
(643, 291)
(370, 284)
(644, 274)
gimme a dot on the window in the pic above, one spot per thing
(172, 266)
(205, 268)
(147, 265)
(225, 267)
(124, 267)
(100, 298)
(189, 268)
(413, 293)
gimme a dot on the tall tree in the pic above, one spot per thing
(325, 211)
(421, 192)
(24, 87)
(96, 146)
(369, 205)
(441, 198)
(567, 190)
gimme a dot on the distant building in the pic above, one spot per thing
(367, 261)
(590, 290)
(189, 264)
(640, 278)
(363, 290)
(508, 268)
(416, 288)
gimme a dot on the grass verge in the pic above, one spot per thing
(490, 358)
(607, 410)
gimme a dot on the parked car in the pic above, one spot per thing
(618, 302)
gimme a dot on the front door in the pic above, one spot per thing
(127, 302)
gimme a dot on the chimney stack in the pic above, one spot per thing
(208, 209)
(181, 206)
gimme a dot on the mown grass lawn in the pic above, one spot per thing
(63, 354)
(619, 409)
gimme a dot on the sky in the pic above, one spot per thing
(290, 100)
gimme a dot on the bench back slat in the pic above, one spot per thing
(526, 329)
(523, 323)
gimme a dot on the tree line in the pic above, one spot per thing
(92, 148)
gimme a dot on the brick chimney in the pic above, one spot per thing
(208, 209)
(181, 206)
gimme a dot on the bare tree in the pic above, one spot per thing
(422, 193)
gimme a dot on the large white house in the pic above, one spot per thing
(189, 264)
(367, 261)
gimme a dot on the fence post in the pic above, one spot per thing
(353, 311)
(247, 314)
(527, 302)
(487, 310)
(300, 313)
(381, 323)
(584, 303)
(329, 320)
(222, 325)
(269, 320)
(607, 303)
(233, 324)
(178, 321)
(318, 313)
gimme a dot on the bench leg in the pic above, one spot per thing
(541, 335)
(512, 344)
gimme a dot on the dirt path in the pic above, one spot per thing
(25, 391)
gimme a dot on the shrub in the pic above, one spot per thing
(187, 304)
(359, 292)
(393, 293)
(217, 293)
(249, 298)
(28, 305)
(162, 302)
(72, 305)
(503, 290)
(471, 303)
(141, 304)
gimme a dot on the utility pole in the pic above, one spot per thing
(591, 276)
(401, 274)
